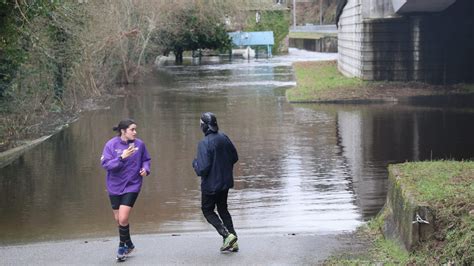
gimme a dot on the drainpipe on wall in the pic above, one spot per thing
(294, 14)
(416, 46)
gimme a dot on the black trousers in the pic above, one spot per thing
(223, 222)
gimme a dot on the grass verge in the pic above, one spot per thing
(448, 187)
(469, 88)
(319, 81)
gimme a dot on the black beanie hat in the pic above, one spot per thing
(210, 120)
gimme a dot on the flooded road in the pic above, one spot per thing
(302, 168)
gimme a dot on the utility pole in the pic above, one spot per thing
(294, 14)
(320, 12)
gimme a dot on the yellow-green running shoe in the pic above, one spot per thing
(234, 247)
(228, 242)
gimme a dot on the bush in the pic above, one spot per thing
(276, 21)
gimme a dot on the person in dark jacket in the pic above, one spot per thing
(214, 163)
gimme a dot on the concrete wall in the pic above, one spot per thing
(377, 44)
(377, 9)
(349, 39)
(388, 50)
(352, 35)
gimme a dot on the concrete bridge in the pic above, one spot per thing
(407, 40)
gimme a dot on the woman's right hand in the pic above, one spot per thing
(128, 152)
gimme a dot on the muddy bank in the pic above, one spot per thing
(375, 92)
(50, 124)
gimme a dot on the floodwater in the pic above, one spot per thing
(303, 168)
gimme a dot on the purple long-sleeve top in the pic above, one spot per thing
(123, 175)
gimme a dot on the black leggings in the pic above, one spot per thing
(208, 203)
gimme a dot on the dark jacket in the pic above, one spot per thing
(216, 156)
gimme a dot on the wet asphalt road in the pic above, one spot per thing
(187, 249)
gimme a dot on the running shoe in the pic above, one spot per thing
(228, 242)
(129, 249)
(121, 256)
(234, 247)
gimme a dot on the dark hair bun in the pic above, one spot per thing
(124, 124)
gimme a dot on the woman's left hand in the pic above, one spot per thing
(143, 172)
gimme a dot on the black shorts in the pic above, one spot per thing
(127, 199)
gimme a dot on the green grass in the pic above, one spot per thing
(438, 181)
(319, 81)
(388, 251)
(468, 88)
(309, 35)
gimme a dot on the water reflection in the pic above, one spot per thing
(312, 168)
(373, 136)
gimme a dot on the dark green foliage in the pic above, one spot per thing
(37, 50)
(11, 52)
(276, 21)
(17, 35)
(192, 29)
